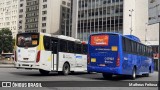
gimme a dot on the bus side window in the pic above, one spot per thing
(78, 49)
(123, 44)
(138, 48)
(54, 45)
(46, 42)
(134, 47)
(63, 46)
(128, 45)
(148, 52)
(84, 49)
(71, 47)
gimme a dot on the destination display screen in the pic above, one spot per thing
(99, 40)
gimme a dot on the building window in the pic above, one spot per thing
(68, 4)
(20, 21)
(21, 10)
(44, 30)
(44, 12)
(63, 2)
(21, 5)
(20, 16)
(44, 0)
(43, 24)
(45, 6)
(44, 18)
(20, 27)
(8, 23)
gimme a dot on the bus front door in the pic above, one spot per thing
(54, 48)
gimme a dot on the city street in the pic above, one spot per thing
(12, 74)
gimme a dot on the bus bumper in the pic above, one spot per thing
(27, 65)
(115, 70)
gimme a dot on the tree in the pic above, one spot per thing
(6, 41)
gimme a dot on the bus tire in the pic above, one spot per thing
(43, 72)
(66, 69)
(89, 72)
(133, 76)
(147, 75)
(106, 76)
(72, 72)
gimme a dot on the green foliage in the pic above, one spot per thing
(6, 41)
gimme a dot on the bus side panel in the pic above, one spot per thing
(46, 60)
(127, 64)
(66, 57)
(135, 63)
(147, 63)
(138, 64)
(131, 60)
(142, 64)
(81, 62)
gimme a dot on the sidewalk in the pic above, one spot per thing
(6, 63)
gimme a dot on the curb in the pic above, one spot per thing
(6, 65)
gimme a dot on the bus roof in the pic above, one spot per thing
(66, 38)
(133, 38)
(106, 33)
(56, 36)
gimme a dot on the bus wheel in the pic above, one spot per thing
(89, 72)
(147, 75)
(66, 69)
(43, 72)
(106, 76)
(133, 76)
(72, 72)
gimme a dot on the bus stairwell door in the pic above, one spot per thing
(54, 48)
(103, 50)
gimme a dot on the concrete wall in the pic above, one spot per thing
(143, 30)
(74, 18)
(55, 11)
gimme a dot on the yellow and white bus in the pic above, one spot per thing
(47, 53)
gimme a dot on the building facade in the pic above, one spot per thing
(9, 15)
(48, 16)
(120, 16)
(94, 16)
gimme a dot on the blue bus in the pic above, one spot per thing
(116, 54)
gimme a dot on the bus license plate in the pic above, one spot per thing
(25, 58)
(93, 59)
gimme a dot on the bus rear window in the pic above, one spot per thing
(27, 40)
(99, 40)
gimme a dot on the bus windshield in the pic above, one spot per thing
(28, 40)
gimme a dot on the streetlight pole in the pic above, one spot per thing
(131, 29)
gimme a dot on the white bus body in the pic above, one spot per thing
(38, 57)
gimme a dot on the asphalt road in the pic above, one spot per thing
(12, 74)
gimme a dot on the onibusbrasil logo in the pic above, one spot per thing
(20, 84)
